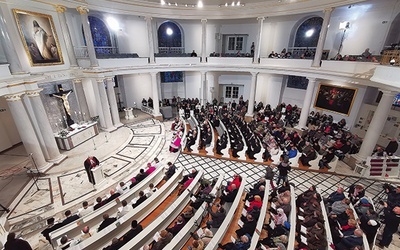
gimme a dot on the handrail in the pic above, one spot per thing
(328, 233)
(292, 232)
(228, 219)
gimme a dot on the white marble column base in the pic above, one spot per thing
(248, 117)
(44, 168)
(111, 129)
(158, 117)
(118, 125)
(58, 159)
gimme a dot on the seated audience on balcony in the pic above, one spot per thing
(194, 54)
(144, 102)
(366, 55)
(107, 220)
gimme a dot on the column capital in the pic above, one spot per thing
(260, 18)
(254, 74)
(82, 10)
(77, 80)
(148, 18)
(100, 80)
(14, 97)
(110, 78)
(153, 73)
(33, 93)
(60, 8)
(203, 20)
(330, 9)
(203, 72)
(311, 79)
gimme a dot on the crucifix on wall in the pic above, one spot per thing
(63, 96)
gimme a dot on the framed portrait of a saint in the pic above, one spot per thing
(39, 38)
(335, 99)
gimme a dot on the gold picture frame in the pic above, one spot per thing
(39, 38)
(335, 99)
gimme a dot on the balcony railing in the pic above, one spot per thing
(302, 52)
(81, 52)
(171, 50)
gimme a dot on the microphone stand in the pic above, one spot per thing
(35, 180)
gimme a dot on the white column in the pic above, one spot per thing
(305, 110)
(105, 106)
(203, 88)
(113, 102)
(259, 38)
(82, 103)
(250, 109)
(322, 37)
(8, 47)
(67, 37)
(156, 99)
(26, 130)
(203, 40)
(44, 127)
(149, 25)
(376, 126)
(88, 35)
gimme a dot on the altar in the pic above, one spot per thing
(77, 136)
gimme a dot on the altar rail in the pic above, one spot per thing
(147, 110)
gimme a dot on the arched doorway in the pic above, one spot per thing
(306, 38)
(170, 38)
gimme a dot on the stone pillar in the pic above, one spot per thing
(305, 110)
(322, 37)
(113, 102)
(203, 40)
(105, 106)
(26, 130)
(376, 126)
(257, 43)
(203, 86)
(156, 100)
(8, 47)
(150, 35)
(44, 127)
(250, 109)
(67, 37)
(88, 35)
(80, 96)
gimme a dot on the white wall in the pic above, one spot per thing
(249, 29)
(137, 87)
(8, 132)
(268, 89)
(132, 38)
(236, 79)
(193, 84)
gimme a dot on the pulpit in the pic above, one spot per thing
(98, 175)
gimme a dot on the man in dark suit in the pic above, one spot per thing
(50, 228)
(222, 142)
(135, 230)
(70, 218)
(170, 172)
(106, 222)
(248, 227)
(178, 225)
(113, 195)
(89, 163)
(141, 199)
(230, 195)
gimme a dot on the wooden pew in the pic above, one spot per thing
(225, 151)
(328, 233)
(179, 241)
(166, 218)
(95, 218)
(210, 148)
(196, 145)
(117, 229)
(228, 219)
(261, 219)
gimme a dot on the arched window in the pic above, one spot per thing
(306, 38)
(101, 36)
(170, 38)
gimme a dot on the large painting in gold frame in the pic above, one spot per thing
(335, 99)
(39, 38)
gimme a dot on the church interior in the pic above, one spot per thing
(94, 92)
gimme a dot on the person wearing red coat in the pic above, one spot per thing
(256, 202)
